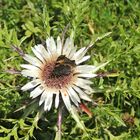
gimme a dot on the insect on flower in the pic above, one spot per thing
(63, 66)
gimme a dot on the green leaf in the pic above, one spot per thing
(30, 108)
(100, 66)
(115, 116)
(76, 117)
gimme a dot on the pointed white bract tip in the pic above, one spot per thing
(100, 66)
(85, 58)
(58, 38)
(40, 103)
(23, 89)
(57, 100)
(87, 75)
(45, 108)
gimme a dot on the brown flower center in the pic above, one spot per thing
(59, 73)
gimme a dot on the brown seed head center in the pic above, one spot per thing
(59, 73)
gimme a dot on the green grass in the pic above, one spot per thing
(29, 22)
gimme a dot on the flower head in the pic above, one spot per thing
(57, 70)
